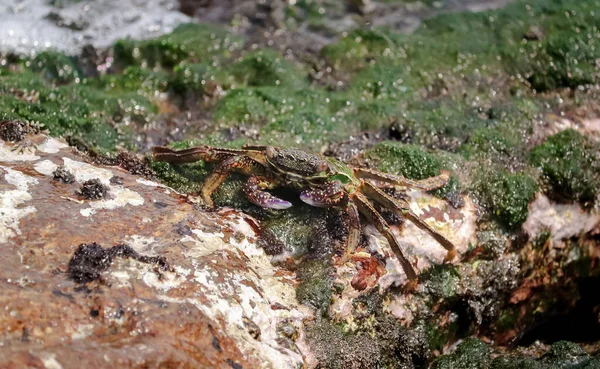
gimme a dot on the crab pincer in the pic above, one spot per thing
(254, 191)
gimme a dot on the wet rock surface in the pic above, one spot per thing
(166, 283)
(106, 264)
(173, 291)
(34, 25)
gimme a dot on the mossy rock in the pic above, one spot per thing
(515, 362)
(562, 355)
(489, 141)
(267, 68)
(56, 67)
(132, 79)
(410, 161)
(504, 195)
(434, 121)
(353, 50)
(470, 354)
(182, 178)
(316, 285)
(377, 340)
(569, 166)
(246, 105)
(302, 228)
(194, 42)
(443, 282)
(555, 51)
(72, 110)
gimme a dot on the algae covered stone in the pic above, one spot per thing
(569, 166)
(506, 196)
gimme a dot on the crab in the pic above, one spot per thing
(322, 182)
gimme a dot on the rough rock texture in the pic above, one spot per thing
(140, 277)
(216, 303)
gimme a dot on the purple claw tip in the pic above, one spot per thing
(306, 198)
(278, 204)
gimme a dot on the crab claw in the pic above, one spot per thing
(329, 195)
(254, 193)
(274, 203)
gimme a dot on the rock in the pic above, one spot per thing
(141, 277)
(563, 221)
(473, 354)
(68, 26)
(470, 354)
(181, 288)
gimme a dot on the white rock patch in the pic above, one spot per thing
(10, 200)
(26, 28)
(45, 167)
(8, 153)
(418, 244)
(120, 197)
(49, 361)
(84, 172)
(562, 220)
(52, 146)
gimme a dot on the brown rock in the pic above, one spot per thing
(169, 298)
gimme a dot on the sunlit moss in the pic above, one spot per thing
(74, 110)
(556, 44)
(132, 79)
(504, 195)
(470, 354)
(410, 161)
(268, 68)
(569, 166)
(197, 42)
(56, 67)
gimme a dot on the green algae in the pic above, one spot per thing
(56, 67)
(186, 179)
(410, 161)
(505, 195)
(262, 68)
(557, 47)
(307, 118)
(568, 163)
(133, 79)
(267, 68)
(562, 354)
(196, 42)
(379, 341)
(316, 285)
(443, 282)
(490, 141)
(354, 50)
(75, 110)
(301, 228)
(384, 67)
(470, 354)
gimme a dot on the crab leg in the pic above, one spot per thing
(332, 194)
(253, 189)
(204, 153)
(241, 164)
(401, 207)
(427, 184)
(365, 207)
(354, 230)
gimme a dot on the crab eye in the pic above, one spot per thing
(271, 152)
(323, 166)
